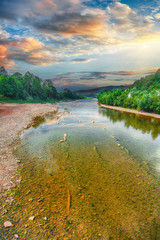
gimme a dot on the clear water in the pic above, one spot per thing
(101, 183)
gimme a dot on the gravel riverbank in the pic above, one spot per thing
(154, 115)
(14, 118)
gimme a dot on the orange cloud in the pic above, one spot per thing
(28, 44)
(46, 6)
(27, 50)
(89, 27)
(3, 57)
(42, 58)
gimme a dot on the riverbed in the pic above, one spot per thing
(102, 182)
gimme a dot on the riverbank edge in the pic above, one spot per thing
(153, 115)
(13, 123)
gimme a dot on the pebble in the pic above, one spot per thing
(18, 181)
(16, 236)
(65, 136)
(45, 218)
(40, 200)
(7, 224)
(31, 218)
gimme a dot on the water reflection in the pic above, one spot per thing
(91, 186)
(138, 122)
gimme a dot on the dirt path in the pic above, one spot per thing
(130, 111)
(14, 118)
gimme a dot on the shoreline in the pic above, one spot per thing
(14, 119)
(153, 115)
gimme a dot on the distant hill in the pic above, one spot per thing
(92, 92)
(143, 94)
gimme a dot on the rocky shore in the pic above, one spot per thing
(14, 118)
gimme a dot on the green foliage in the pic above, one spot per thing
(29, 88)
(143, 95)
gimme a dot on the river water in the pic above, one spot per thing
(101, 183)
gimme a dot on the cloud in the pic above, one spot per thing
(72, 29)
(81, 60)
(69, 24)
(3, 57)
(100, 78)
(14, 10)
(40, 58)
(28, 50)
(157, 15)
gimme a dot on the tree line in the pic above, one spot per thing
(30, 88)
(143, 95)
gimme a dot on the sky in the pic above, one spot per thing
(81, 42)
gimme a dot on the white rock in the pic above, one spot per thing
(16, 236)
(7, 224)
(31, 218)
(65, 136)
(18, 181)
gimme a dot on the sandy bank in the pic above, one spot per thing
(130, 111)
(14, 118)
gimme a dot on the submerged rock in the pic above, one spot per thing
(64, 138)
(31, 218)
(7, 224)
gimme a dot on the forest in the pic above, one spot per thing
(142, 95)
(30, 88)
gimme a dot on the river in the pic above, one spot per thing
(102, 182)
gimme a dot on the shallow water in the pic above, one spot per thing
(101, 183)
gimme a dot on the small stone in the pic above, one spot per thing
(7, 224)
(4, 211)
(99, 235)
(45, 218)
(31, 218)
(93, 121)
(18, 161)
(61, 141)
(18, 181)
(65, 136)
(16, 236)
(119, 145)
